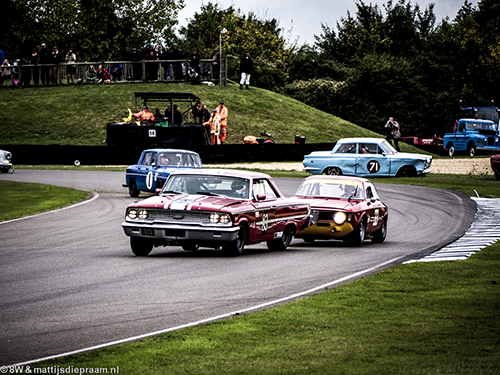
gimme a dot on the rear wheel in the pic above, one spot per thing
(333, 171)
(497, 172)
(280, 244)
(140, 246)
(132, 188)
(379, 235)
(358, 235)
(451, 149)
(236, 247)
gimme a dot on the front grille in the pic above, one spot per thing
(179, 216)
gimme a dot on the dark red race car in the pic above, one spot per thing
(344, 208)
(216, 209)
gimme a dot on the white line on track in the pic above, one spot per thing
(214, 318)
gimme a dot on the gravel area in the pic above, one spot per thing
(472, 166)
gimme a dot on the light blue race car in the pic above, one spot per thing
(155, 165)
(366, 157)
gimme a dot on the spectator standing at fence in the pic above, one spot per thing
(205, 114)
(152, 66)
(35, 60)
(194, 60)
(197, 113)
(176, 54)
(54, 70)
(6, 72)
(246, 68)
(45, 58)
(116, 71)
(71, 68)
(136, 58)
(91, 74)
(167, 67)
(216, 64)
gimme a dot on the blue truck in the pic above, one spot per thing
(477, 130)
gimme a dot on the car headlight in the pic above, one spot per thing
(132, 214)
(339, 218)
(143, 214)
(215, 218)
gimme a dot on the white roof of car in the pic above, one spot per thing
(361, 139)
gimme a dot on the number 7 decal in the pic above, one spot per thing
(373, 166)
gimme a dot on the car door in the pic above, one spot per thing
(371, 161)
(146, 172)
(374, 212)
(265, 202)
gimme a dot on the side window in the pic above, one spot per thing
(263, 187)
(146, 160)
(369, 193)
(368, 148)
(154, 159)
(347, 148)
(461, 127)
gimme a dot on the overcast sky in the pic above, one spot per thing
(304, 18)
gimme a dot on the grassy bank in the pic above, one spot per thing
(78, 114)
(21, 199)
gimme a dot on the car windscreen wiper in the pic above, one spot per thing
(171, 192)
(212, 194)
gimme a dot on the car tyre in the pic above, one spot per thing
(406, 171)
(451, 149)
(280, 244)
(333, 171)
(471, 149)
(236, 247)
(358, 235)
(497, 173)
(140, 246)
(379, 235)
(132, 188)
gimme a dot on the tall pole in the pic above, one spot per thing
(223, 31)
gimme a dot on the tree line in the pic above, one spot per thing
(391, 60)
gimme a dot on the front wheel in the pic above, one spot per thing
(132, 188)
(471, 149)
(280, 244)
(236, 247)
(406, 171)
(141, 247)
(358, 235)
(497, 173)
(333, 171)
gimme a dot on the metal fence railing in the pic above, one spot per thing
(177, 71)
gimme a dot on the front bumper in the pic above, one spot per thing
(180, 233)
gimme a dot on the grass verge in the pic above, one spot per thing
(420, 318)
(23, 199)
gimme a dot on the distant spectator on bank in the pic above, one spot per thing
(216, 64)
(91, 74)
(152, 66)
(103, 75)
(246, 68)
(158, 116)
(197, 112)
(177, 116)
(35, 70)
(167, 67)
(194, 60)
(6, 71)
(176, 54)
(136, 58)
(56, 59)
(71, 68)
(169, 114)
(45, 57)
(205, 114)
(116, 71)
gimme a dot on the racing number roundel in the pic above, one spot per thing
(149, 180)
(373, 166)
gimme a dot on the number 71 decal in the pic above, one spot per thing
(373, 166)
